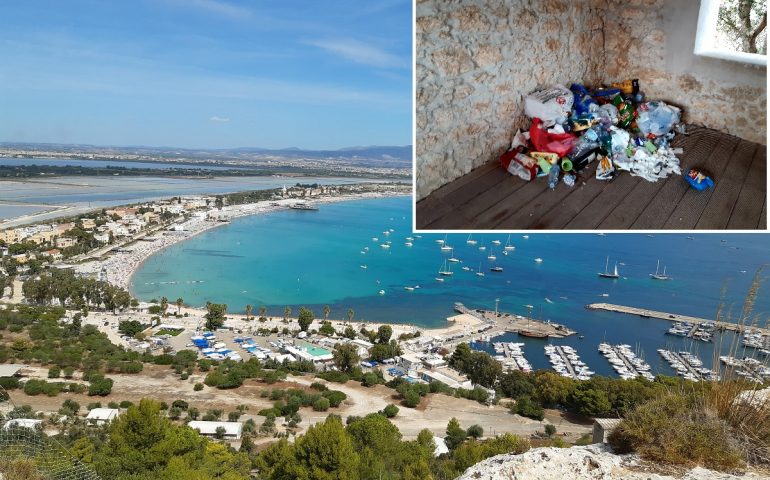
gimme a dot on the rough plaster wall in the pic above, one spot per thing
(653, 40)
(475, 60)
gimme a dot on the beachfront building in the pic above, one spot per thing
(227, 430)
(446, 376)
(101, 416)
(308, 351)
(10, 236)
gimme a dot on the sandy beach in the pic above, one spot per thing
(120, 267)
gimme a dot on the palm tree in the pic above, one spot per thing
(262, 312)
(163, 304)
(286, 313)
(351, 313)
(327, 311)
(179, 303)
(249, 309)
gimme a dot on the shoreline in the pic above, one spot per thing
(120, 268)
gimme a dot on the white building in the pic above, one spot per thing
(232, 430)
(100, 416)
(30, 423)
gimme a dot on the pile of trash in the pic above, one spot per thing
(613, 125)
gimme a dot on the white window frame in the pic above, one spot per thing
(705, 39)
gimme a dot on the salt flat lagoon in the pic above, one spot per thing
(316, 258)
(22, 197)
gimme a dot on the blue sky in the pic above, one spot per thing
(207, 73)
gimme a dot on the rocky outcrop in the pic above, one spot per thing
(579, 463)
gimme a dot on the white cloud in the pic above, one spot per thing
(217, 7)
(360, 52)
(219, 119)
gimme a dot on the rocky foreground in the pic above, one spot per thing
(579, 463)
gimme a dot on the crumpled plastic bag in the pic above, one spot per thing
(543, 141)
(656, 118)
(605, 170)
(649, 166)
(620, 139)
(549, 105)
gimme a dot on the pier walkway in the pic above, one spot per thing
(567, 362)
(673, 317)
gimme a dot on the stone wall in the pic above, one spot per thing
(657, 38)
(476, 59)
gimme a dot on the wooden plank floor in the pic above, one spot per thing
(488, 198)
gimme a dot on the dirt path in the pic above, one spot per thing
(435, 411)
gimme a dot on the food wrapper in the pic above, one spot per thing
(698, 180)
(549, 104)
(605, 170)
(549, 157)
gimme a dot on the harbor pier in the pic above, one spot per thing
(673, 317)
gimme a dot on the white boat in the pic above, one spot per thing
(446, 248)
(496, 242)
(606, 273)
(479, 273)
(525, 237)
(364, 267)
(452, 258)
(482, 248)
(409, 239)
(409, 289)
(538, 260)
(659, 276)
(408, 244)
(508, 247)
(497, 268)
(492, 256)
(470, 240)
(385, 245)
(381, 292)
(375, 239)
(444, 271)
(466, 268)
(439, 279)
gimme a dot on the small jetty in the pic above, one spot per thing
(673, 317)
(507, 322)
(625, 362)
(567, 363)
(511, 356)
(747, 367)
(698, 331)
(688, 365)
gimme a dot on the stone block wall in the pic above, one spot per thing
(476, 59)
(658, 38)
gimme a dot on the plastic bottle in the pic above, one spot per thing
(553, 176)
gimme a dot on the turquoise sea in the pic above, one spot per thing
(311, 258)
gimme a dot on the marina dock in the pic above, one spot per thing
(673, 317)
(507, 322)
(567, 362)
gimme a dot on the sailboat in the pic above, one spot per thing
(496, 242)
(492, 256)
(508, 247)
(444, 246)
(479, 273)
(470, 240)
(444, 271)
(606, 273)
(452, 257)
(660, 276)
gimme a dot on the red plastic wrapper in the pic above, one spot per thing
(517, 163)
(558, 143)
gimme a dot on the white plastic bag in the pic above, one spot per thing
(549, 104)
